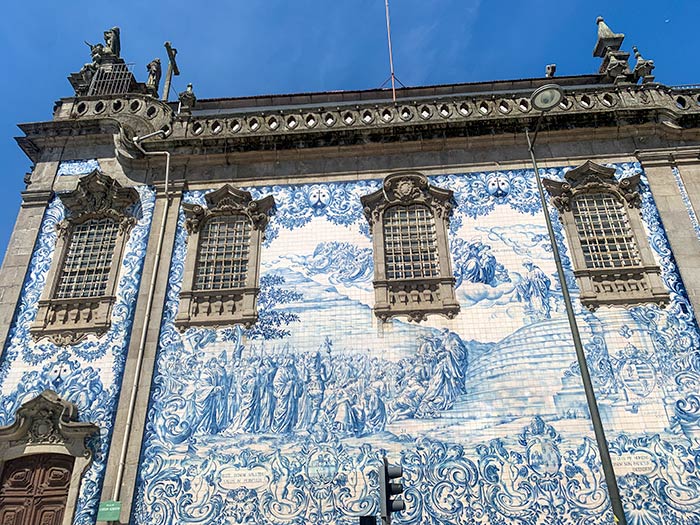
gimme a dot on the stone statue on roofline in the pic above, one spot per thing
(101, 53)
(107, 52)
(112, 42)
(115, 76)
(187, 99)
(154, 72)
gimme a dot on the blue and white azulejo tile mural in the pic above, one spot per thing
(285, 422)
(88, 374)
(77, 167)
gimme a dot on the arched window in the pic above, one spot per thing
(612, 260)
(81, 285)
(222, 265)
(412, 269)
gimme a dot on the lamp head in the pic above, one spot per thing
(546, 97)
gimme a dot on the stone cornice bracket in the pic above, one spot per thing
(591, 177)
(135, 114)
(668, 157)
(407, 188)
(98, 196)
(228, 200)
(48, 420)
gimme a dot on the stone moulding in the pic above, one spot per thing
(48, 424)
(441, 110)
(622, 285)
(455, 115)
(224, 307)
(414, 298)
(138, 114)
(67, 321)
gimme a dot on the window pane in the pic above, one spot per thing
(86, 267)
(222, 260)
(410, 242)
(604, 230)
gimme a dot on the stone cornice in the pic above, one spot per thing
(236, 130)
(666, 157)
(478, 111)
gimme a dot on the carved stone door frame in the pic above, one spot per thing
(48, 424)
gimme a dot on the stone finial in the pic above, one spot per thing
(187, 99)
(643, 68)
(607, 40)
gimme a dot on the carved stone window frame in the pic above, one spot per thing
(412, 297)
(216, 308)
(67, 321)
(48, 424)
(625, 285)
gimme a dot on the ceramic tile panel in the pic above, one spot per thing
(285, 422)
(89, 373)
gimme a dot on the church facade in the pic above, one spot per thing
(228, 311)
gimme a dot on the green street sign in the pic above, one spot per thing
(109, 511)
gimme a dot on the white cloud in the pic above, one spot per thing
(470, 294)
(527, 240)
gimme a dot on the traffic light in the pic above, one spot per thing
(388, 489)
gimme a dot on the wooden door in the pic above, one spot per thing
(34, 489)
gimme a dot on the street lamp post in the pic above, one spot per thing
(544, 99)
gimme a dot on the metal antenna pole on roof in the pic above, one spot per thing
(391, 56)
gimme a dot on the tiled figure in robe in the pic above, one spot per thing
(533, 290)
(211, 396)
(285, 387)
(247, 418)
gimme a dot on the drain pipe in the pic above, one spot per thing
(146, 320)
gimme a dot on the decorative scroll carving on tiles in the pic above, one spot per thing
(404, 188)
(98, 195)
(591, 177)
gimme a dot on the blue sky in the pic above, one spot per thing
(238, 48)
